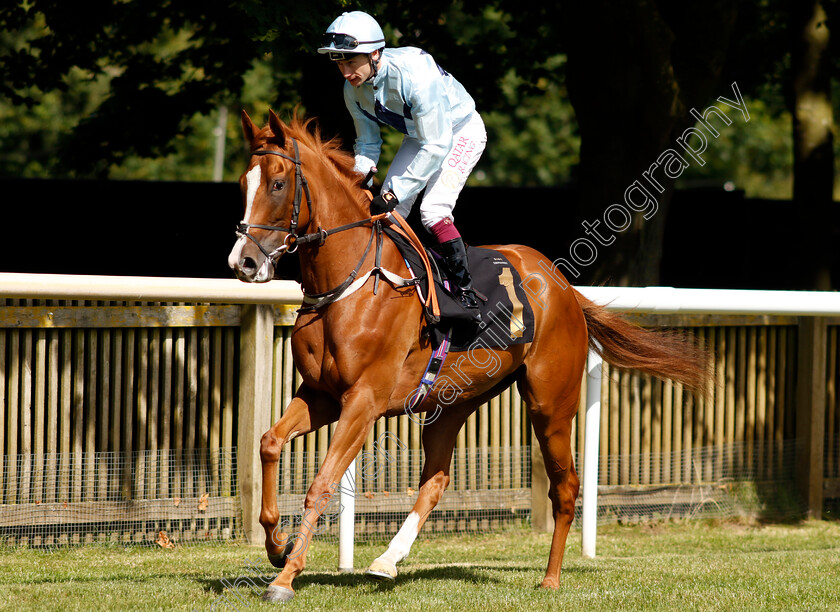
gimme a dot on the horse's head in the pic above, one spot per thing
(275, 197)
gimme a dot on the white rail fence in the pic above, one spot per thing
(255, 387)
(669, 300)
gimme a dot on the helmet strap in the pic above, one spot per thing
(374, 69)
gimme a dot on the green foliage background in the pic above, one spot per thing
(253, 62)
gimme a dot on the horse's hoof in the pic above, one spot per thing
(279, 561)
(382, 571)
(278, 594)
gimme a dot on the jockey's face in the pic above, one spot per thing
(357, 68)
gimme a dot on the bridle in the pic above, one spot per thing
(293, 239)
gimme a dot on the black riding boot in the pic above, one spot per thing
(455, 257)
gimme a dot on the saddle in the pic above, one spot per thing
(506, 314)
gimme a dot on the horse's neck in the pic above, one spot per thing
(326, 266)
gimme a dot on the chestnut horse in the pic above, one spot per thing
(361, 352)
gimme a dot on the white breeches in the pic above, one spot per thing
(445, 185)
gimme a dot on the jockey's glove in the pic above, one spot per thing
(383, 203)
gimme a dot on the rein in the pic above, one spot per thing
(293, 239)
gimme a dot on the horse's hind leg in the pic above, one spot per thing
(439, 438)
(307, 412)
(554, 436)
(553, 403)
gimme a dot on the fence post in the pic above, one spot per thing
(810, 412)
(347, 519)
(592, 438)
(255, 374)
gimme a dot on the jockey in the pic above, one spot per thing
(444, 134)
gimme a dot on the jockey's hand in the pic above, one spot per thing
(384, 202)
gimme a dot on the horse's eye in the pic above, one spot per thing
(277, 186)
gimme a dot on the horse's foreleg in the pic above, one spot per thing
(348, 439)
(439, 439)
(307, 412)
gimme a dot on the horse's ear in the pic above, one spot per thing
(278, 127)
(248, 128)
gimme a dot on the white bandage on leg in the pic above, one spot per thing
(400, 546)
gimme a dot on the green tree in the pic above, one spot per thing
(534, 140)
(813, 129)
(591, 91)
(144, 103)
(149, 68)
(632, 89)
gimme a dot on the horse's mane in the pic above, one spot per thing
(308, 133)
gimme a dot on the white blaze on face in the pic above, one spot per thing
(253, 179)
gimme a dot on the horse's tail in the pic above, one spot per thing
(664, 354)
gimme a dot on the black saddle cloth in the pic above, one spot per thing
(506, 316)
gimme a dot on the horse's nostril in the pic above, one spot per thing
(248, 263)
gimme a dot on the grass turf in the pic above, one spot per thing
(698, 565)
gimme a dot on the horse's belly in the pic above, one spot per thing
(463, 377)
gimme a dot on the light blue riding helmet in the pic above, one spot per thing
(350, 34)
